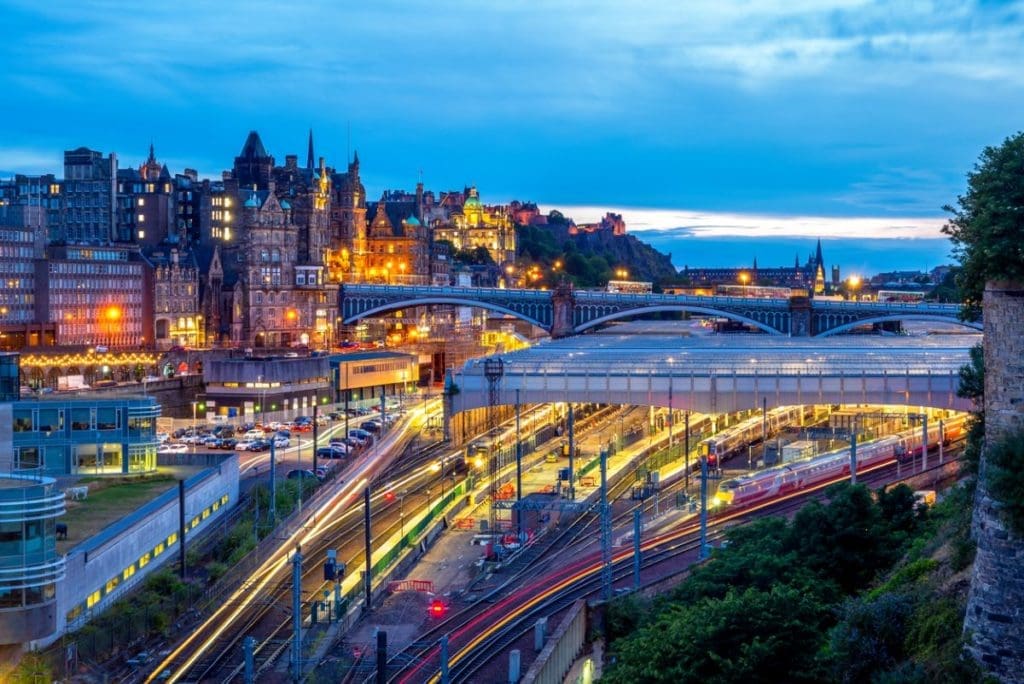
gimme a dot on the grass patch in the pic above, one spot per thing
(107, 504)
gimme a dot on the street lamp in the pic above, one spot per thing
(194, 405)
(744, 278)
(852, 285)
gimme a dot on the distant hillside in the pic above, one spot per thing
(590, 259)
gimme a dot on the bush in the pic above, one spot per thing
(1005, 478)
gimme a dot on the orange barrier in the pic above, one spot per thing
(465, 523)
(411, 585)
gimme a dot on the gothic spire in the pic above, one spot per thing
(152, 155)
(310, 159)
(818, 258)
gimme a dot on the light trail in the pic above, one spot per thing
(247, 594)
(523, 605)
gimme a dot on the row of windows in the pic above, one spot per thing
(16, 267)
(52, 419)
(94, 268)
(7, 235)
(97, 254)
(114, 582)
(380, 367)
(15, 252)
(84, 186)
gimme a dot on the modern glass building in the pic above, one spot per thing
(30, 566)
(85, 435)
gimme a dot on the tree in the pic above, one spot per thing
(987, 227)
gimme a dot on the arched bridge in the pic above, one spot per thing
(564, 311)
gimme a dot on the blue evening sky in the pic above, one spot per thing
(739, 119)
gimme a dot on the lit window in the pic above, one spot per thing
(158, 549)
(172, 538)
(142, 218)
(93, 599)
(142, 201)
(144, 560)
(195, 522)
(206, 513)
(128, 572)
(112, 584)
(142, 234)
(224, 499)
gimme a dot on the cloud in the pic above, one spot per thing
(698, 224)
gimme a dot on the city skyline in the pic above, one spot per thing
(831, 110)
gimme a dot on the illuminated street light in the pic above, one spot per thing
(744, 278)
(852, 285)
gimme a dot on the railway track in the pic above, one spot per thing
(517, 611)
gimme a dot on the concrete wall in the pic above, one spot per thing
(994, 623)
(94, 562)
(561, 649)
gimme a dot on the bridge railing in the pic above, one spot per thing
(467, 292)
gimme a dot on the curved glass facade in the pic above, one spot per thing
(30, 566)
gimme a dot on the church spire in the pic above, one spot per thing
(152, 154)
(817, 257)
(310, 159)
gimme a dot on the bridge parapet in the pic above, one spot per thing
(570, 312)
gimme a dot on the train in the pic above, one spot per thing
(780, 480)
(719, 447)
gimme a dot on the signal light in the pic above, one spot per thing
(389, 497)
(437, 608)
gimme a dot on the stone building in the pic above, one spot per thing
(177, 318)
(146, 205)
(397, 245)
(265, 281)
(475, 225)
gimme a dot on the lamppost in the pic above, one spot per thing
(194, 435)
(744, 278)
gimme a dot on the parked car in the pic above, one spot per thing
(284, 433)
(371, 426)
(360, 437)
(245, 445)
(281, 442)
(301, 475)
(162, 437)
(325, 452)
(334, 415)
(260, 445)
(177, 448)
(253, 434)
(228, 443)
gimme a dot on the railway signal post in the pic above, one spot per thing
(637, 528)
(297, 615)
(606, 530)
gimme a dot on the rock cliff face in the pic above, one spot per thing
(643, 261)
(994, 623)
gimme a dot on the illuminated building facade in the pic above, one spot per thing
(177, 318)
(810, 275)
(96, 295)
(346, 257)
(397, 245)
(19, 324)
(475, 225)
(266, 283)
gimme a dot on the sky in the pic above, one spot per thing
(704, 120)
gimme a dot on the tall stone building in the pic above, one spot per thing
(265, 281)
(994, 623)
(146, 204)
(346, 257)
(177, 318)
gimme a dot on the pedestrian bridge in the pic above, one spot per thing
(724, 373)
(564, 312)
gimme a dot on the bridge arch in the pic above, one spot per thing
(452, 301)
(934, 318)
(626, 313)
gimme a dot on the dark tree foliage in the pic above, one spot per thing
(972, 386)
(762, 608)
(987, 226)
(869, 637)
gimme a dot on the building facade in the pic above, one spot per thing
(475, 225)
(30, 566)
(177, 318)
(84, 436)
(88, 208)
(96, 295)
